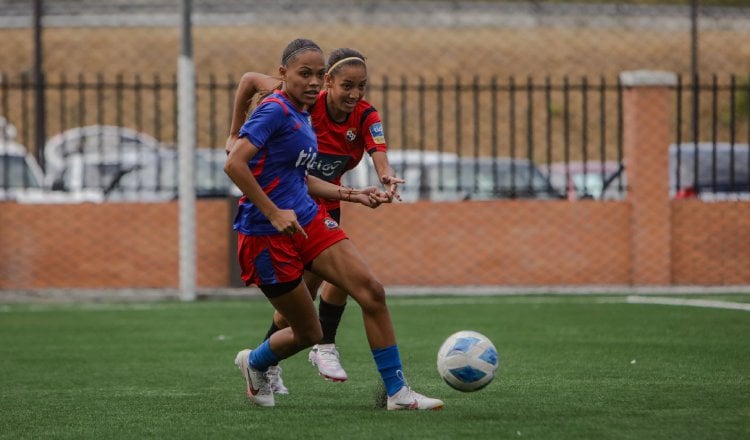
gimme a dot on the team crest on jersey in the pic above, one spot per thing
(351, 134)
(330, 223)
(376, 131)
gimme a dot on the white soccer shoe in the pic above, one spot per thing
(258, 387)
(406, 398)
(274, 377)
(326, 358)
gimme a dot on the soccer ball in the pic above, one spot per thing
(467, 361)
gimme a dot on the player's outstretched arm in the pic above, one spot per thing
(369, 196)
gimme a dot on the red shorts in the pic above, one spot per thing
(280, 258)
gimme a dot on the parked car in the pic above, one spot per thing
(104, 162)
(592, 179)
(210, 178)
(21, 176)
(440, 176)
(112, 163)
(709, 171)
(722, 174)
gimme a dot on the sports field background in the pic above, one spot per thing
(571, 367)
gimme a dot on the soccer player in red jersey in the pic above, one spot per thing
(346, 127)
(282, 232)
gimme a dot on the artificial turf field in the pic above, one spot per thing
(571, 367)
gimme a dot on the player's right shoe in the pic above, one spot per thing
(257, 383)
(406, 398)
(274, 377)
(326, 358)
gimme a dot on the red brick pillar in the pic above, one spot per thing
(648, 103)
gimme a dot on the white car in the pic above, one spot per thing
(20, 175)
(444, 176)
(592, 179)
(21, 178)
(111, 163)
(103, 162)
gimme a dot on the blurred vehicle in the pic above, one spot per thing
(210, 179)
(21, 176)
(709, 171)
(720, 172)
(101, 162)
(439, 176)
(591, 179)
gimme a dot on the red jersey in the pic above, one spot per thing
(342, 145)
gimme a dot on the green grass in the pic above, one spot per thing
(571, 367)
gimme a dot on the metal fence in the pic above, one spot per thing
(452, 138)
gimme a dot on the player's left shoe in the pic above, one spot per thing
(406, 398)
(326, 358)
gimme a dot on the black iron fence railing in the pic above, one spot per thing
(452, 139)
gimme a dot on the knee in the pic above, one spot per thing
(375, 298)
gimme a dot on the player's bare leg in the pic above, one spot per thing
(343, 266)
(304, 330)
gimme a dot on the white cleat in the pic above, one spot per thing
(326, 358)
(274, 377)
(258, 387)
(406, 398)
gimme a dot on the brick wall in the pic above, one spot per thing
(107, 246)
(514, 243)
(644, 240)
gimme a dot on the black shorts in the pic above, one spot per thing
(336, 215)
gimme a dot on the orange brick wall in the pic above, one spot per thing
(494, 243)
(108, 245)
(710, 243)
(514, 243)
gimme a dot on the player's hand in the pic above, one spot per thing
(371, 197)
(391, 184)
(285, 221)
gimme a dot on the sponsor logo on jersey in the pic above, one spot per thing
(351, 134)
(306, 158)
(376, 131)
(328, 166)
(330, 223)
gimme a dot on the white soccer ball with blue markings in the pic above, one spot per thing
(467, 361)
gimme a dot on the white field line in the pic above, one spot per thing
(713, 304)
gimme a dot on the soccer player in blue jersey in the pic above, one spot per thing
(282, 232)
(346, 126)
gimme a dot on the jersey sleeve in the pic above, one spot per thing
(264, 121)
(374, 136)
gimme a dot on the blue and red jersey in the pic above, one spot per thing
(287, 146)
(341, 145)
